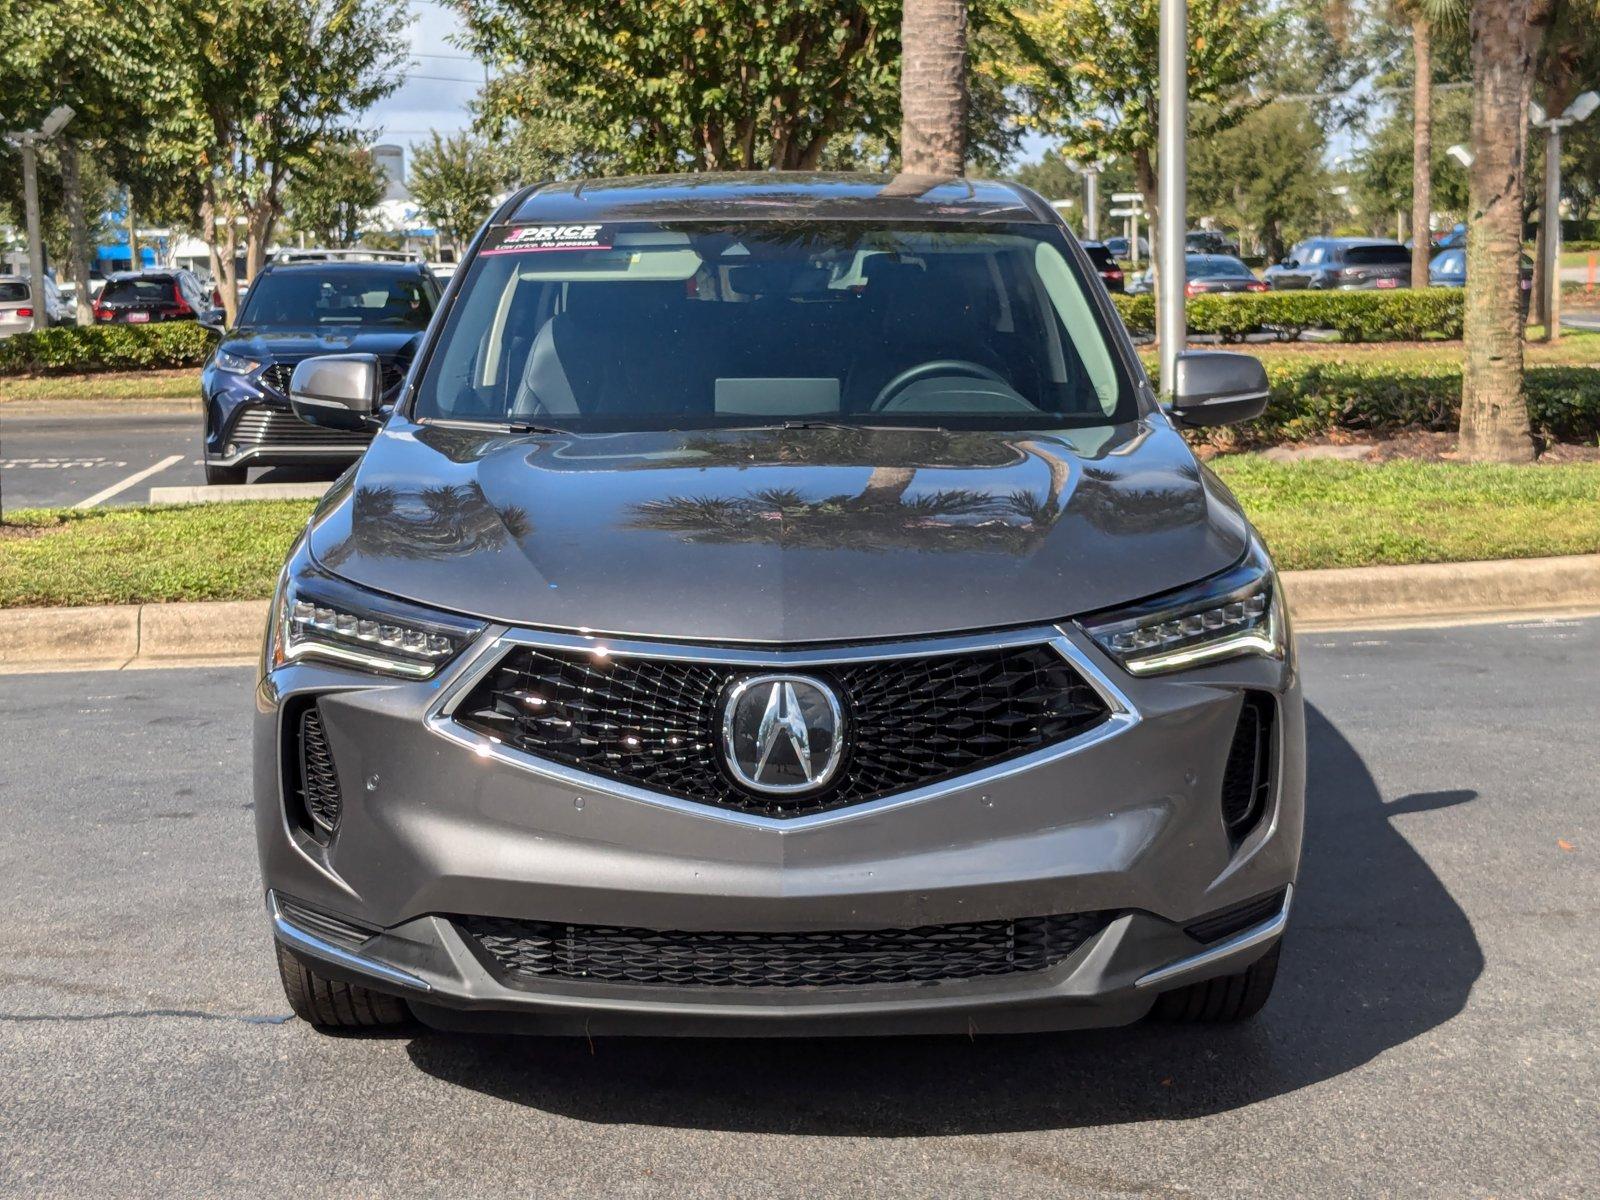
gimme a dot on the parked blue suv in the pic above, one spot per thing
(298, 308)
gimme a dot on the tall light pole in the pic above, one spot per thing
(1577, 111)
(1091, 202)
(27, 140)
(1172, 127)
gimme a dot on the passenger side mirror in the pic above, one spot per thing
(1216, 387)
(1290, 263)
(336, 391)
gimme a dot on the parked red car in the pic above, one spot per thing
(140, 297)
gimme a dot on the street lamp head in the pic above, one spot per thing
(1580, 108)
(1536, 113)
(1462, 155)
(57, 120)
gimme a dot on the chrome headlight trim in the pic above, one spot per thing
(235, 364)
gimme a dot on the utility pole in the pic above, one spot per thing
(30, 202)
(1091, 203)
(1550, 263)
(1172, 129)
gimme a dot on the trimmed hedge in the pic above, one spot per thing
(1316, 397)
(83, 348)
(1401, 315)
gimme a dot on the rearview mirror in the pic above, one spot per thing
(336, 391)
(1216, 387)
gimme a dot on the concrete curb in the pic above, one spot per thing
(139, 635)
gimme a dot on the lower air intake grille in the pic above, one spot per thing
(1247, 779)
(655, 722)
(275, 427)
(319, 782)
(533, 951)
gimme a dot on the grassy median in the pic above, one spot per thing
(107, 385)
(1313, 514)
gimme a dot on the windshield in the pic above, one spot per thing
(645, 326)
(1199, 267)
(159, 290)
(311, 299)
(1378, 256)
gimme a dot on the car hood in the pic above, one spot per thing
(303, 343)
(787, 536)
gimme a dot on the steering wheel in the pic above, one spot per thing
(933, 368)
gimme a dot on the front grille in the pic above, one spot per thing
(656, 723)
(277, 375)
(275, 427)
(1247, 778)
(319, 781)
(535, 951)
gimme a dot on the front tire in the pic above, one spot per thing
(225, 475)
(1223, 1001)
(331, 1004)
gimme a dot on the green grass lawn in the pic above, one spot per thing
(106, 385)
(1341, 514)
(1313, 514)
(132, 555)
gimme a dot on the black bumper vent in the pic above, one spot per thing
(656, 722)
(1247, 779)
(534, 951)
(1237, 919)
(318, 790)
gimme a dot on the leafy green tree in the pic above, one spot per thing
(1265, 176)
(1087, 73)
(1384, 184)
(265, 82)
(454, 182)
(332, 191)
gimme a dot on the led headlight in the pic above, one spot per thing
(1237, 612)
(321, 617)
(235, 364)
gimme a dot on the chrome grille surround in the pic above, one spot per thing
(479, 663)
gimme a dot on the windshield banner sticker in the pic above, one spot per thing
(526, 239)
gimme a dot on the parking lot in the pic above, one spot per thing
(1433, 1034)
(52, 456)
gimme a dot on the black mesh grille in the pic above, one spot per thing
(1247, 779)
(319, 782)
(257, 426)
(656, 722)
(531, 951)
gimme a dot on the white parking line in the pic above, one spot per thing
(102, 496)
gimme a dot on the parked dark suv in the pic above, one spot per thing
(778, 604)
(1346, 264)
(143, 297)
(296, 310)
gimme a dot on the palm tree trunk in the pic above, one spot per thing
(933, 87)
(1494, 412)
(77, 230)
(1421, 149)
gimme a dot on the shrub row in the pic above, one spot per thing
(1402, 315)
(1313, 398)
(81, 348)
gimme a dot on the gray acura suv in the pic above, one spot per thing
(777, 604)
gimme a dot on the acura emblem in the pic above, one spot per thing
(782, 733)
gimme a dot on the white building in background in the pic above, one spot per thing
(391, 160)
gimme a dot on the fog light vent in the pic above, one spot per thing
(1247, 779)
(313, 791)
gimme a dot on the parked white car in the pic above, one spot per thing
(17, 305)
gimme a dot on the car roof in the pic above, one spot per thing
(777, 196)
(1230, 259)
(147, 273)
(339, 266)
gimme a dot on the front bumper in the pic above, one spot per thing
(434, 826)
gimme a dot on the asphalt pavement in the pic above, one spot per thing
(61, 455)
(1434, 1032)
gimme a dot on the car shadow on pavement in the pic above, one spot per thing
(1378, 953)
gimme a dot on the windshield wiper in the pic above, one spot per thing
(525, 427)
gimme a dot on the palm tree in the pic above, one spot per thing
(933, 87)
(1494, 412)
(1425, 17)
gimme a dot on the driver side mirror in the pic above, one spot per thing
(1290, 263)
(336, 391)
(1217, 387)
(214, 319)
